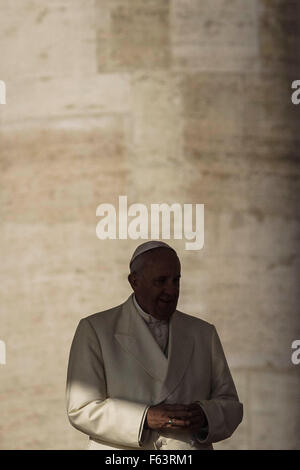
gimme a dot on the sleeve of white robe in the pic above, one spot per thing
(223, 410)
(112, 420)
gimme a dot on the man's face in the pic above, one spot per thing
(156, 287)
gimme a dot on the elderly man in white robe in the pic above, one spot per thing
(144, 375)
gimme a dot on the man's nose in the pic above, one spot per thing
(170, 288)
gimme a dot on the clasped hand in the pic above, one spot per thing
(189, 417)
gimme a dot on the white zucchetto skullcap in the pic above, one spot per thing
(147, 246)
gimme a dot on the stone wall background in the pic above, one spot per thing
(183, 101)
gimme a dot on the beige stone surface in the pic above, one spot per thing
(278, 26)
(41, 101)
(64, 169)
(133, 35)
(162, 101)
(214, 35)
(275, 399)
(43, 39)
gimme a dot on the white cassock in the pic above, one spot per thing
(117, 370)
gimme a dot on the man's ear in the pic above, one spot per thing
(132, 279)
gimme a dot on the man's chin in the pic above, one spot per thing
(165, 310)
